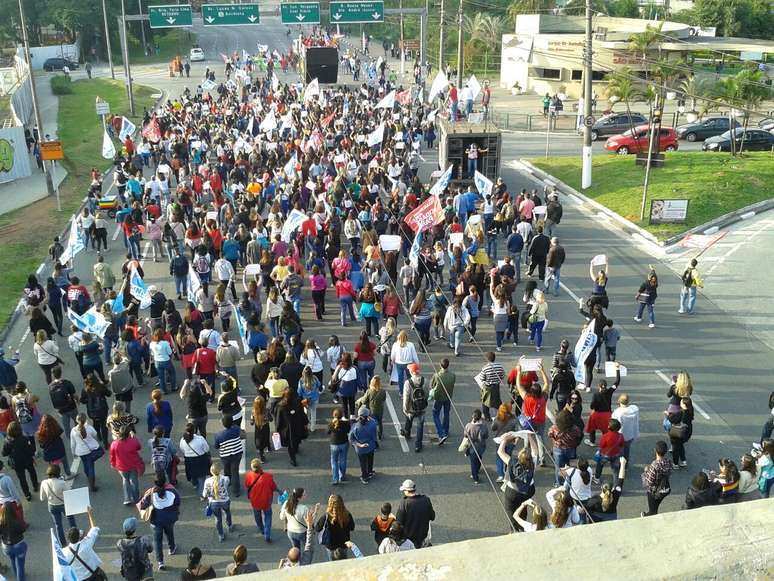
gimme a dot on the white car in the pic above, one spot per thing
(197, 54)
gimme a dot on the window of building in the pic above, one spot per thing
(577, 75)
(553, 74)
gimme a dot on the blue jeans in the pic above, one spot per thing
(107, 348)
(420, 418)
(651, 313)
(218, 508)
(688, 299)
(88, 465)
(491, 247)
(345, 305)
(339, 461)
(552, 272)
(158, 539)
(57, 512)
(536, 332)
(456, 337)
(516, 261)
(263, 522)
(17, 554)
(297, 540)
(166, 371)
(401, 370)
(562, 457)
(365, 371)
(499, 464)
(454, 108)
(274, 326)
(615, 465)
(468, 107)
(441, 424)
(472, 166)
(131, 486)
(627, 449)
(296, 302)
(181, 284)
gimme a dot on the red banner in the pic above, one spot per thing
(151, 131)
(327, 120)
(404, 97)
(426, 215)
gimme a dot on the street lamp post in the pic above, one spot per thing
(127, 67)
(107, 41)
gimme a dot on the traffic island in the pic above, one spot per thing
(718, 188)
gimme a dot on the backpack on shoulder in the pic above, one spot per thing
(419, 399)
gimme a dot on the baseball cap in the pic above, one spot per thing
(152, 289)
(408, 486)
(413, 368)
(130, 525)
(363, 412)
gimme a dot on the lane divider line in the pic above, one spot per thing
(396, 424)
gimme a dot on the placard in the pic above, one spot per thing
(76, 501)
(531, 363)
(539, 210)
(455, 238)
(276, 440)
(389, 242)
(610, 369)
(211, 216)
(668, 211)
(474, 219)
(599, 260)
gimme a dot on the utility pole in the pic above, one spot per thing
(587, 101)
(142, 28)
(459, 46)
(127, 67)
(402, 38)
(107, 41)
(35, 105)
(442, 29)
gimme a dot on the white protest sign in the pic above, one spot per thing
(475, 219)
(530, 363)
(390, 242)
(455, 238)
(610, 367)
(76, 501)
(211, 216)
(251, 270)
(539, 210)
(599, 260)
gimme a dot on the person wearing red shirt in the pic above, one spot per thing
(309, 230)
(365, 353)
(216, 183)
(346, 294)
(610, 449)
(217, 240)
(533, 408)
(205, 363)
(129, 145)
(261, 487)
(454, 101)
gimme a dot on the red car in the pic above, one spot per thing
(638, 142)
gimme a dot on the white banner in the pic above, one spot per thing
(60, 565)
(108, 149)
(439, 84)
(91, 321)
(389, 242)
(75, 243)
(138, 289)
(583, 348)
(483, 184)
(292, 222)
(269, 123)
(443, 181)
(311, 90)
(208, 85)
(474, 86)
(375, 137)
(127, 128)
(388, 102)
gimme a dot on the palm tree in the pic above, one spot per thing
(621, 87)
(643, 42)
(484, 33)
(529, 7)
(750, 94)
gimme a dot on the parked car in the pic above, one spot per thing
(766, 124)
(615, 124)
(754, 140)
(58, 63)
(703, 129)
(196, 54)
(637, 142)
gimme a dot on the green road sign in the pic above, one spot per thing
(170, 16)
(230, 14)
(300, 12)
(343, 12)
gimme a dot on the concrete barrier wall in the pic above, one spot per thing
(720, 542)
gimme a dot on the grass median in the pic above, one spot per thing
(26, 233)
(715, 184)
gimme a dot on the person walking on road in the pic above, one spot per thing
(216, 495)
(554, 261)
(165, 501)
(646, 297)
(441, 392)
(655, 479)
(229, 444)
(538, 253)
(294, 514)
(338, 433)
(476, 433)
(691, 283)
(79, 552)
(628, 415)
(363, 437)
(84, 444)
(260, 488)
(414, 405)
(134, 551)
(125, 458)
(415, 513)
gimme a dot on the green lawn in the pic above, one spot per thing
(171, 44)
(715, 184)
(26, 233)
(5, 108)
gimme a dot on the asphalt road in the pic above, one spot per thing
(533, 145)
(726, 361)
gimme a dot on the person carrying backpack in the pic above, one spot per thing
(163, 453)
(415, 403)
(691, 282)
(63, 399)
(135, 564)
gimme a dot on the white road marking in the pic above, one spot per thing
(575, 297)
(696, 406)
(396, 423)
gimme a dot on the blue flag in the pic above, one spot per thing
(138, 289)
(443, 182)
(414, 252)
(242, 326)
(117, 304)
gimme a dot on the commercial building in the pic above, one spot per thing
(545, 55)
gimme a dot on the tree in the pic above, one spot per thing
(643, 42)
(621, 87)
(695, 89)
(529, 7)
(625, 9)
(484, 33)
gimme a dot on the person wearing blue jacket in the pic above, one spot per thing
(515, 245)
(159, 413)
(363, 438)
(165, 501)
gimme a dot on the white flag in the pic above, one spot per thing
(375, 137)
(250, 125)
(127, 128)
(483, 184)
(443, 181)
(275, 82)
(269, 122)
(242, 327)
(439, 84)
(474, 86)
(138, 289)
(193, 283)
(75, 243)
(61, 570)
(312, 89)
(245, 56)
(290, 167)
(293, 221)
(431, 116)
(91, 321)
(388, 102)
(108, 150)
(208, 85)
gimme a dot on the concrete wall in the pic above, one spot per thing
(721, 542)
(39, 54)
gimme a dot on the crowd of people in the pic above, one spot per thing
(268, 200)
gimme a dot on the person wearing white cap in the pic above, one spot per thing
(414, 513)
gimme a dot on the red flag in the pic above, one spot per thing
(404, 97)
(151, 130)
(327, 120)
(427, 214)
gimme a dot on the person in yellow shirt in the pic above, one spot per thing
(280, 272)
(276, 386)
(691, 282)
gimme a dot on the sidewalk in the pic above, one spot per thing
(22, 192)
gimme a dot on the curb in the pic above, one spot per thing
(43, 265)
(636, 231)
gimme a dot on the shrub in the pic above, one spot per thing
(61, 85)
